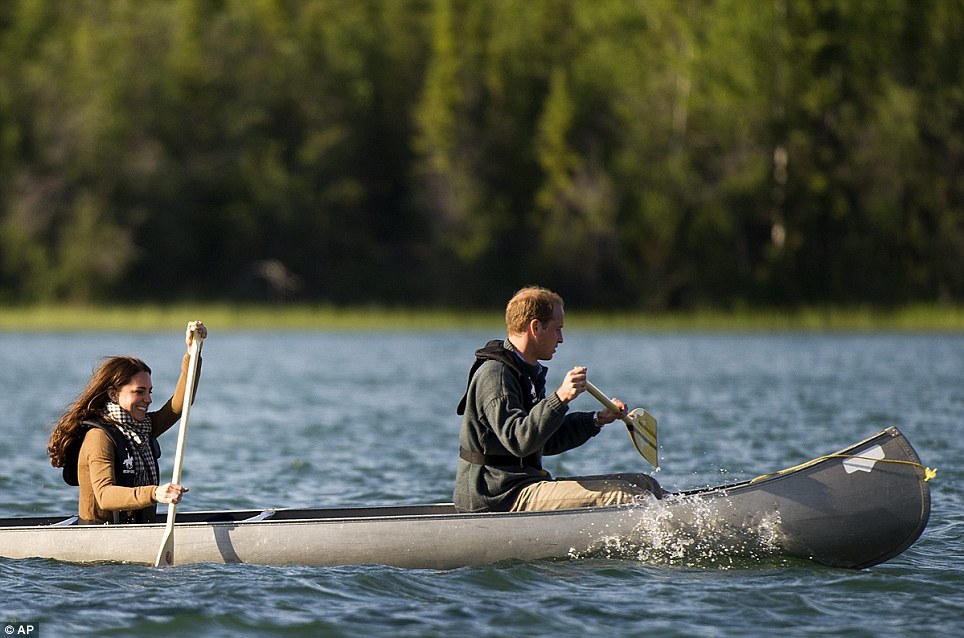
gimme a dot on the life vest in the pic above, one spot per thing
(532, 393)
(495, 350)
(124, 473)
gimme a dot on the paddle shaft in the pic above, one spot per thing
(165, 555)
(607, 402)
(186, 409)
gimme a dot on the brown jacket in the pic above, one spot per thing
(95, 465)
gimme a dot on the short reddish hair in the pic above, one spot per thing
(531, 302)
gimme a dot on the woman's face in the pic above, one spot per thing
(135, 395)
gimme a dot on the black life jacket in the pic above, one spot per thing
(124, 473)
(495, 350)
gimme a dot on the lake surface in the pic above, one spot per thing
(339, 418)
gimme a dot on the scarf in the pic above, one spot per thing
(138, 435)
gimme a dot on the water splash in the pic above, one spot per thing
(693, 531)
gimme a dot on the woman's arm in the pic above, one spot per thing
(163, 419)
(97, 451)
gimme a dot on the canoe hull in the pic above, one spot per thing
(824, 511)
(855, 508)
(393, 536)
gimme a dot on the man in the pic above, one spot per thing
(509, 423)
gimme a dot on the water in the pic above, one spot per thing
(319, 419)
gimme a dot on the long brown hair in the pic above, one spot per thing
(112, 374)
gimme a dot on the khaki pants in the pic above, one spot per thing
(585, 491)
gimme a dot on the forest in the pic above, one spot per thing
(634, 154)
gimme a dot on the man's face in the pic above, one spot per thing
(549, 335)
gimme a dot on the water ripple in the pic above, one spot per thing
(314, 419)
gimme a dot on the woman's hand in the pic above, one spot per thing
(192, 327)
(169, 493)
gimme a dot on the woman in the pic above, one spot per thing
(106, 441)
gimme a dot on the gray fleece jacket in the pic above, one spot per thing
(496, 423)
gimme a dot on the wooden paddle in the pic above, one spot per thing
(640, 423)
(165, 555)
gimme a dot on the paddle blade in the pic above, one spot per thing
(165, 555)
(642, 430)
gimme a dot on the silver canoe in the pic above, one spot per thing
(855, 508)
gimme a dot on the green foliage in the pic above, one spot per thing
(642, 154)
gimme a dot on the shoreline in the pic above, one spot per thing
(294, 317)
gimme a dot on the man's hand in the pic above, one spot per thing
(606, 416)
(573, 385)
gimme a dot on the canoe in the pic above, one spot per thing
(856, 508)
